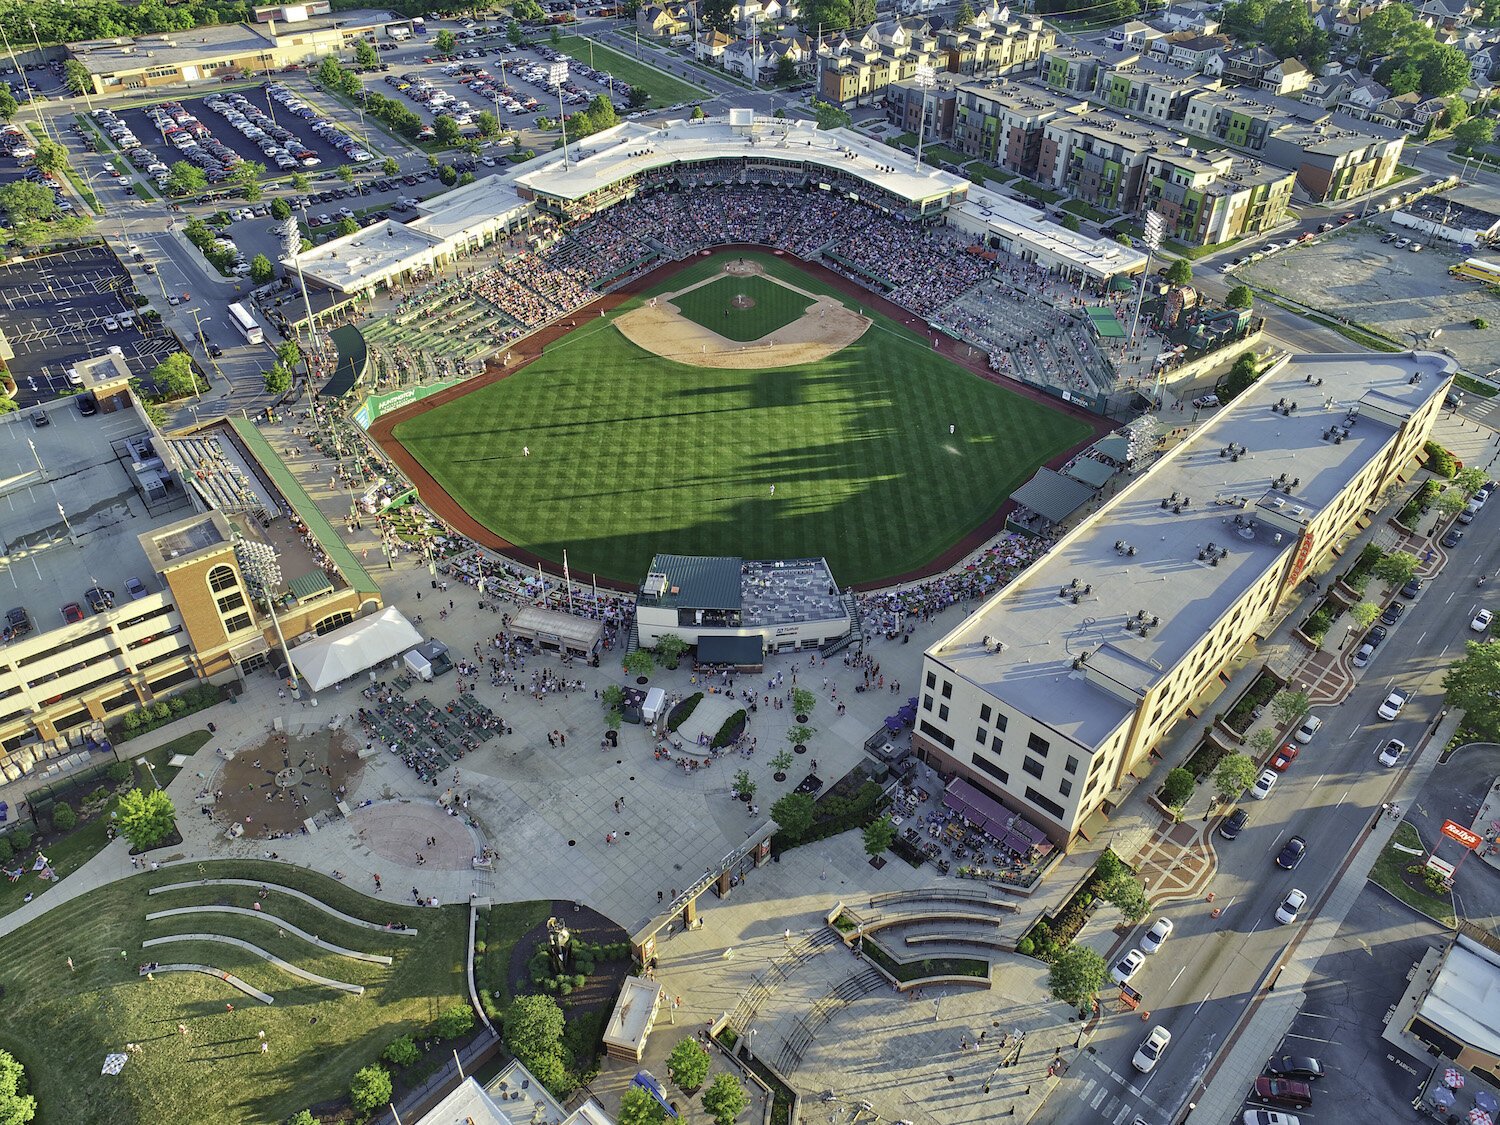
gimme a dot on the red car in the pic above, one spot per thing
(72, 613)
(1285, 757)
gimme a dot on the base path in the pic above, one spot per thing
(219, 974)
(290, 893)
(313, 939)
(284, 966)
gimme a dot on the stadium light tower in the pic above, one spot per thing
(262, 573)
(925, 79)
(1151, 237)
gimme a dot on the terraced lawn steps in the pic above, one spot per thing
(290, 892)
(313, 939)
(284, 966)
(219, 974)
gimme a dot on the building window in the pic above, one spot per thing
(1033, 767)
(943, 712)
(932, 679)
(947, 690)
(1065, 788)
(254, 663)
(1046, 803)
(936, 735)
(996, 745)
(231, 601)
(1001, 722)
(927, 703)
(1038, 745)
(1071, 765)
(237, 623)
(984, 713)
(222, 578)
(337, 621)
(991, 768)
(980, 735)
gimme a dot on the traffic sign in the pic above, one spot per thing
(1464, 836)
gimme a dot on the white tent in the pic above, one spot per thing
(359, 645)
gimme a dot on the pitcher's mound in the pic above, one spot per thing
(741, 301)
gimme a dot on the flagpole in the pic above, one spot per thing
(567, 580)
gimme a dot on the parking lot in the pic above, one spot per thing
(1406, 295)
(56, 310)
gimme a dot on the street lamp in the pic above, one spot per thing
(262, 573)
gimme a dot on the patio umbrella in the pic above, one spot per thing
(1486, 1101)
(1477, 1116)
(1453, 1079)
(1442, 1098)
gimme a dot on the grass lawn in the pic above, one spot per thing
(935, 153)
(1390, 872)
(1026, 187)
(500, 927)
(989, 172)
(1474, 386)
(775, 307)
(633, 454)
(1087, 211)
(217, 1073)
(663, 88)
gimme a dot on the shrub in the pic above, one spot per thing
(63, 816)
(455, 1021)
(21, 838)
(1480, 323)
(370, 1089)
(683, 710)
(402, 1052)
(1026, 947)
(733, 727)
(1439, 461)
(119, 772)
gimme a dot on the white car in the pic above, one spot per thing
(1310, 726)
(1263, 785)
(1481, 621)
(1391, 753)
(1269, 1117)
(1287, 912)
(1149, 1053)
(1392, 705)
(1157, 935)
(1127, 966)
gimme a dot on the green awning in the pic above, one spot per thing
(1091, 471)
(1106, 325)
(311, 585)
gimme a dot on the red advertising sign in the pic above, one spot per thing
(1458, 832)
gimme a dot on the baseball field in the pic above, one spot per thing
(767, 433)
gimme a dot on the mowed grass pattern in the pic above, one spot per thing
(633, 454)
(775, 307)
(63, 1023)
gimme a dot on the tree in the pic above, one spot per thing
(300, 182)
(1396, 568)
(1288, 706)
(281, 210)
(1473, 683)
(401, 1052)
(639, 663)
(370, 1089)
(1126, 894)
(830, 116)
(1177, 788)
(794, 813)
(63, 816)
(246, 177)
(533, 1027)
(1235, 772)
(329, 73)
(688, 1065)
(799, 735)
(50, 157)
(16, 1106)
(455, 1021)
(389, 167)
(612, 696)
(1438, 460)
(185, 179)
(447, 175)
(261, 269)
(1474, 133)
(803, 701)
(446, 128)
(965, 14)
(79, 79)
(365, 55)
(1451, 501)
(718, 14)
(638, 96)
(1070, 222)
(1445, 71)
(487, 123)
(1180, 272)
(786, 69)
(346, 227)
(174, 376)
(742, 785)
(670, 647)
(698, 114)
(146, 819)
(1240, 297)
(1077, 973)
(1471, 480)
(9, 107)
(725, 1098)
(444, 42)
(1363, 615)
(26, 202)
(1241, 376)
(639, 1108)
(853, 14)
(515, 32)
(345, 172)
(879, 835)
(277, 380)
(1387, 31)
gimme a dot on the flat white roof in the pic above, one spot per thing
(1464, 999)
(633, 148)
(455, 213)
(631, 1019)
(376, 252)
(1011, 219)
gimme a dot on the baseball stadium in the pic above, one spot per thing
(733, 337)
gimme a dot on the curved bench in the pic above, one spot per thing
(932, 894)
(219, 974)
(312, 939)
(290, 893)
(980, 940)
(284, 966)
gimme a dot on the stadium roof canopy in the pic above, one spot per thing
(1015, 226)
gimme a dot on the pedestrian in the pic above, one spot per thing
(773, 490)
(229, 1007)
(264, 1047)
(262, 1035)
(182, 1030)
(70, 965)
(525, 451)
(786, 935)
(950, 427)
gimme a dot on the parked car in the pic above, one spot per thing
(1290, 906)
(1453, 538)
(1392, 613)
(1149, 1053)
(1284, 1092)
(1391, 752)
(135, 588)
(1284, 757)
(1412, 588)
(1366, 651)
(1292, 853)
(72, 613)
(1393, 704)
(17, 623)
(1310, 726)
(1234, 823)
(1127, 966)
(1263, 785)
(1269, 1117)
(1481, 621)
(1304, 1068)
(1157, 935)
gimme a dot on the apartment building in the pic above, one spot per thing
(1051, 695)
(1149, 90)
(1001, 122)
(1211, 197)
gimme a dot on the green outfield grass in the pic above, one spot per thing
(775, 307)
(63, 1023)
(632, 454)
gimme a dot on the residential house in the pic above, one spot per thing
(1363, 96)
(1447, 13)
(1243, 66)
(1409, 111)
(908, 102)
(1189, 49)
(1201, 19)
(751, 15)
(664, 21)
(1133, 36)
(758, 57)
(1287, 78)
(1072, 70)
(1484, 61)
(710, 46)
(1329, 90)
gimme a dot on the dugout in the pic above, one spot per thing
(557, 631)
(718, 650)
